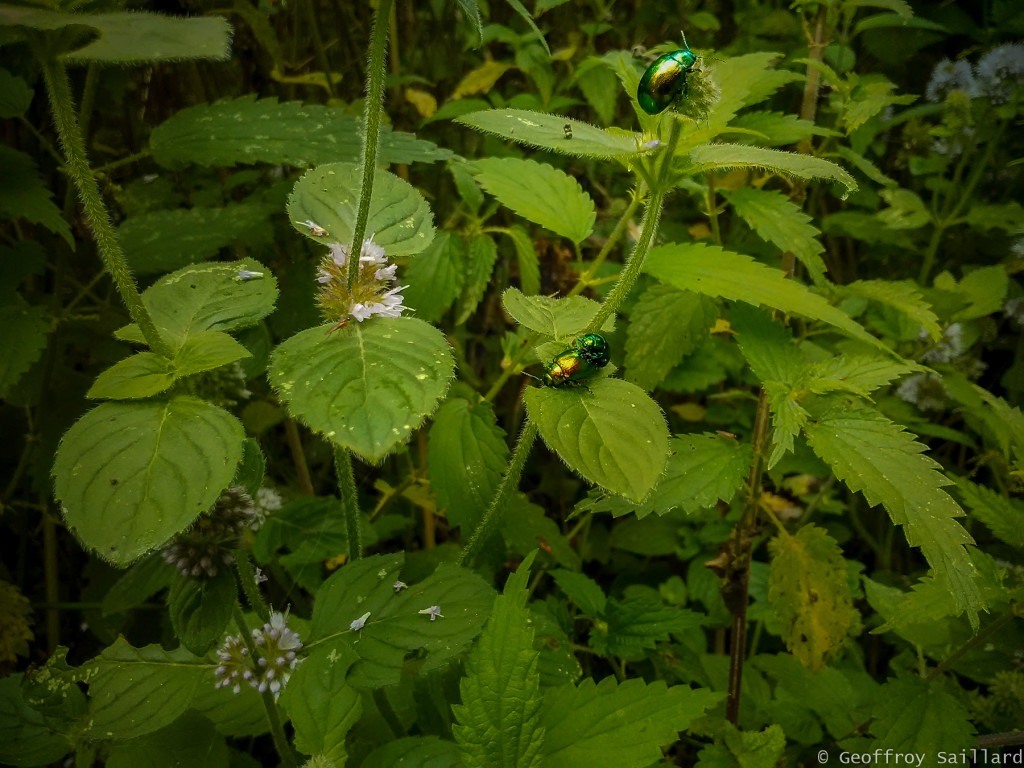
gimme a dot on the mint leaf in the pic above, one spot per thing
(322, 706)
(539, 129)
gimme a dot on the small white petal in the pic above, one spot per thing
(359, 623)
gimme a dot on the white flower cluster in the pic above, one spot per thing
(386, 303)
(998, 72)
(276, 646)
(267, 500)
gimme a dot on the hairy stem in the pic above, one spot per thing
(62, 106)
(250, 586)
(349, 501)
(371, 130)
(509, 484)
(284, 749)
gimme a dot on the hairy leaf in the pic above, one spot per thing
(419, 751)
(322, 706)
(560, 318)
(546, 131)
(483, 253)
(583, 591)
(436, 277)
(666, 324)
(913, 715)
(636, 624)
(24, 195)
(720, 157)
(25, 331)
(201, 608)
(1003, 516)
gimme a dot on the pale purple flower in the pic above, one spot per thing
(276, 657)
(434, 612)
(359, 623)
(399, 586)
(950, 76)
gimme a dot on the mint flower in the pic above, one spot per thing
(372, 293)
(1000, 71)
(276, 647)
(202, 550)
(949, 76)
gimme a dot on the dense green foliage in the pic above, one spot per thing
(289, 295)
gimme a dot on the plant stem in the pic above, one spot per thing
(62, 106)
(251, 587)
(284, 749)
(371, 130)
(294, 441)
(974, 642)
(349, 501)
(613, 239)
(506, 488)
(635, 262)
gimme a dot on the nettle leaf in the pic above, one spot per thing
(877, 457)
(499, 717)
(743, 80)
(1002, 515)
(159, 241)
(367, 386)
(807, 586)
(26, 328)
(483, 253)
(905, 297)
(396, 627)
(524, 526)
(583, 591)
(205, 351)
(744, 749)
(633, 625)
(539, 129)
(560, 318)
(624, 725)
(788, 419)
(913, 715)
(200, 609)
(782, 223)
(322, 706)
(526, 260)
(857, 374)
(400, 220)
(206, 297)
(713, 271)
(666, 324)
(613, 435)
(15, 95)
(27, 737)
(436, 277)
(247, 130)
(519, 8)
(135, 691)
(131, 475)
(127, 38)
(767, 345)
(421, 751)
(190, 740)
(702, 470)
(778, 128)
(721, 157)
(472, 14)
(23, 193)
(539, 192)
(467, 455)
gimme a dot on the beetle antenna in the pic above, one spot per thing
(531, 376)
(686, 45)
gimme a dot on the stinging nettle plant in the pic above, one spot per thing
(394, 338)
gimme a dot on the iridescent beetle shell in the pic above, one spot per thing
(577, 363)
(665, 80)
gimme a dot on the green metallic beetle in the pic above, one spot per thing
(574, 365)
(664, 82)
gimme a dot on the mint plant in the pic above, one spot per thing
(279, 497)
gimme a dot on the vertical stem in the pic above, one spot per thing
(51, 575)
(371, 130)
(284, 749)
(62, 106)
(349, 501)
(251, 587)
(294, 441)
(319, 52)
(506, 488)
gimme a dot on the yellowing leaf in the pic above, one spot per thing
(807, 586)
(424, 102)
(480, 80)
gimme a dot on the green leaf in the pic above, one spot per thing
(873, 455)
(906, 210)
(244, 130)
(1002, 515)
(206, 297)
(918, 716)
(499, 717)
(127, 38)
(561, 318)
(200, 609)
(712, 271)
(519, 8)
(539, 192)
(720, 157)
(27, 738)
(24, 195)
(624, 725)
(160, 241)
(436, 277)
(399, 220)
(808, 588)
(205, 351)
(857, 374)
(15, 95)
(467, 456)
(904, 297)
(526, 259)
(767, 345)
(131, 475)
(778, 128)
(233, 714)
(743, 80)
(665, 326)
(744, 749)
(636, 624)
(25, 331)
(783, 224)
(138, 584)
(539, 129)
(472, 13)
(984, 290)
(483, 252)
(396, 627)
(788, 419)
(135, 691)
(367, 386)
(322, 706)
(419, 751)
(583, 591)
(614, 435)
(524, 526)
(190, 740)
(144, 374)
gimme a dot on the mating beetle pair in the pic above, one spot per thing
(664, 82)
(574, 365)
